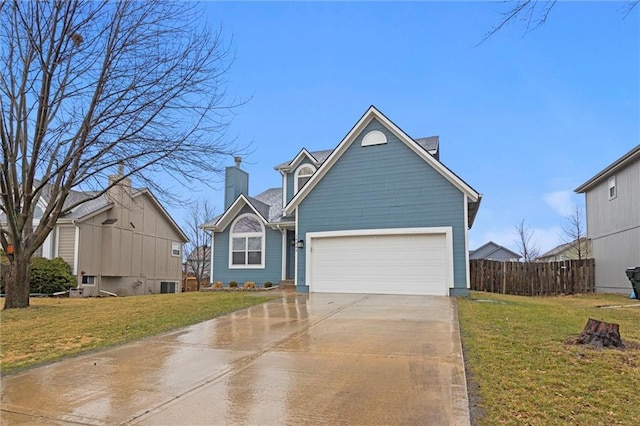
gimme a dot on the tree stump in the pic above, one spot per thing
(599, 334)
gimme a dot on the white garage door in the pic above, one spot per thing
(384, 264)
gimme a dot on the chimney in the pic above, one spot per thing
(120, 192)
(236, 182)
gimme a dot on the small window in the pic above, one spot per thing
(374, 137)
(175, 249)
(168, 287)
(88, 279)
(247, 243)
(303, 174)
(613, 192)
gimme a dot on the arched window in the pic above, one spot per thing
(303, 174)
(246, 242)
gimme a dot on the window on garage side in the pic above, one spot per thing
(246, 241)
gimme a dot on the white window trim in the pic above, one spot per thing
(261, 234)
(173, 245)
(297, 175)
(611, 183)
(374, 137)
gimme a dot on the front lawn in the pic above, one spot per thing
(54, 328)
(525, 372)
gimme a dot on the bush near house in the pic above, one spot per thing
(233, 284)
(268, 284)
(50, 275)
(47, 275)
(249, 284)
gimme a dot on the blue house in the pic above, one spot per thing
(378, 214)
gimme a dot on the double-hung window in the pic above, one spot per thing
(247, 242)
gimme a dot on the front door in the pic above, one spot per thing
(291, 253)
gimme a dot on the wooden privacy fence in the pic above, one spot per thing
(533, 278)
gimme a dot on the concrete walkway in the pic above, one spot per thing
(302, 359)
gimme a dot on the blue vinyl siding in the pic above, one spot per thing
(273, 258)
(384, 186)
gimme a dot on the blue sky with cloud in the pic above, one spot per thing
(524, 119)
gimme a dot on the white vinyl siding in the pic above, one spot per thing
(67, 244)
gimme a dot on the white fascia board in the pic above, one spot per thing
(331, 160)
(297, 159)
(373, 113)
(232, 211)
(438, 166)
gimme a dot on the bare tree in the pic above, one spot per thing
(527, 246)
(575, 233)
(85, 86)
(534, 13)
(198, 249)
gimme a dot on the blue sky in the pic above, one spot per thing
(523, 118)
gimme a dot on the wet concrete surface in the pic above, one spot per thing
(302, 359)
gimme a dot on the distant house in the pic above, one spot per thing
(380, 213)
(493, 251)
(568, 251)
(199, 260)
(123, 242)
(613, 220)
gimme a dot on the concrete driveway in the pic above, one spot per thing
(302, 359)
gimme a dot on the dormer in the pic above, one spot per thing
(297, 172)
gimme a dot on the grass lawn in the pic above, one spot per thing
(526, 374)
(51, 329)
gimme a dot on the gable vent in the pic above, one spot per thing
(374, 137)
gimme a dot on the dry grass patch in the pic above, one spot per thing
(517, 354)
(55, 328)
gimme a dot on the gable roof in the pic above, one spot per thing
(371, 114)
(565, 247)
(267, 205)
(154, 200)
(102, 203)
(622, 162)
(317, 157)
(491, 248)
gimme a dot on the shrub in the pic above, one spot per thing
(49, 276)
(218, 284)
(233, 284)
(268, 284)
(249, 284)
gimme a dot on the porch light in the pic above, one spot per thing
(300, 244)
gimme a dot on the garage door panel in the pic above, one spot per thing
(392, 264)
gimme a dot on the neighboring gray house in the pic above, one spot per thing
(493, 251)
(613, 221)
(123, 242)
(378, 214)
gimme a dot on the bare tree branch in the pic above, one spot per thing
(198, 249)
(532, 14)
(575, 233)
(87, 85)
(527, 246)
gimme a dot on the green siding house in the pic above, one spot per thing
(379, 213)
